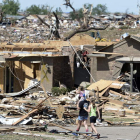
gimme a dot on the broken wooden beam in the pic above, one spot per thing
(31, 112)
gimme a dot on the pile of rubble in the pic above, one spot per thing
(38, 107)
(120, 102)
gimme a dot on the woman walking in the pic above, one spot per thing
(92, 113)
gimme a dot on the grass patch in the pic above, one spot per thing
(22, 137)
(119, 119)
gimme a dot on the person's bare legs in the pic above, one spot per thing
(79, 125)
(93, 128)
(86, 126)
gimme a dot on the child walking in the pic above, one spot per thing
(92, 113)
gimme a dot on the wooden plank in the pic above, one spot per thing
(25, 116)
(102, 84)
(109, 53)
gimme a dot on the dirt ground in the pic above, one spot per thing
(113, 34)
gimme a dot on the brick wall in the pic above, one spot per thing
(105, 66)
(67, 50)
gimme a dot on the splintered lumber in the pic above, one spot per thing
(24, 117)
(31, 112)
(123, 96)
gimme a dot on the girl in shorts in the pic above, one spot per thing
(92, 113)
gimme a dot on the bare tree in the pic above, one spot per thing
(84, 26)
(84, 23)
(53, 28)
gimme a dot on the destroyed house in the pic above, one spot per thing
(132, 17)
(56, 61)
(82, 45)
(22, 62)
(117, 59)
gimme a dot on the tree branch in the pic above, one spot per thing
(84, 30)
(43, 21)
(57, 20)
(69, 5)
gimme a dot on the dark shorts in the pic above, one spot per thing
(93, 119)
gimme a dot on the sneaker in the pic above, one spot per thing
(75, 134)
(98, 136)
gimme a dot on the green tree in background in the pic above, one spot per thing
(58, 11)
(39, 9)
(79, 14)
(34, 9)
(10, 7)
(100, 9)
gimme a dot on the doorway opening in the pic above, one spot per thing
(80, 72)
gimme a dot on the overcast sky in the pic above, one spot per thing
(113, 5)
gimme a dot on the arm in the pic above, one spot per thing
(98, 112)
(77, 92)
(89, 108)
(78, 105)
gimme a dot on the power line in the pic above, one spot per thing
(82, 61)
